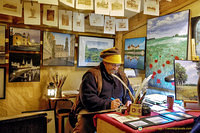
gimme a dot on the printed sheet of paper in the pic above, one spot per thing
(121, 24)
(84, 4)
(133, 5)
(151, 7)
(11, 7)
(49, 2)
(31, 13)
(78, 22)
(123, 119)
(68, 2)
(102, 7)
(65, 19)
(50, 15)
(109, 25)
(96, 19)
(117, 8)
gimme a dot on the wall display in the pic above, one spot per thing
(2, 82)
(117, 8)
(68, 2)
(186, 77)
(2, 44)
(90, 49)
(151, 7)
(102, 7)
(58, 49)
(134, 53)
(133, 5)
(50, 2)
(65, 20)
(121, 24)
(96, 19)
(78, 22)
(195, 25)
(109, 25)
(84, 4)
(31, 13)
(167, 39)
(11, 7)
(24, 67)
(50, 15)
(24, 39)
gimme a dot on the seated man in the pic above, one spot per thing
(99, 90)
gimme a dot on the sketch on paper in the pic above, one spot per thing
(133, 5)
(24, 39)
(84, 4)
(67, 2)
(109, 25)
(24, 67)
(117, 8)
(96, 19)
(65, 19)
(78, 22)
(50, 2)
(31, 13)
(50, 15)
(58, 49)
(102, 7)
(2, 44)
(151, 7)
(121, 24)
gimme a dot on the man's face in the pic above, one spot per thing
(111, 68)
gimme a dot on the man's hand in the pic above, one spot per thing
(115, 103)
(128, 103)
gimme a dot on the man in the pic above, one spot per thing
(99, 90)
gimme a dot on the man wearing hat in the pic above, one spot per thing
(99, 90)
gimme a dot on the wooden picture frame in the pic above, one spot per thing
(2, 44)
(89, 50)
(2, 82)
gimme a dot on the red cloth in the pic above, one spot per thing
(128, 129)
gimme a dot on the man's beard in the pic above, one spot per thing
(113, 71)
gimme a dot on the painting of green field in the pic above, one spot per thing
(186, 93)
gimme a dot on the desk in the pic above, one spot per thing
(106, 124)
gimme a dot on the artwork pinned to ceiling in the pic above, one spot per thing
(134, 53)
(167, 39)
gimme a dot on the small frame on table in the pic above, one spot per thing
(2, 82)
(90, 48)
(177, 116)
(138, 124)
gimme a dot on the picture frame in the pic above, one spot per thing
(89, 50)
(2, 82)
(136, 124)
(58, 49)
(22, 39)
(158, 119)
(134, 53)
(177, 116)
(186, 79)
(50, 15)
(24, 67)
(2, 44)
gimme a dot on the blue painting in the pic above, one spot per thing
(167, 39)
(134, 53)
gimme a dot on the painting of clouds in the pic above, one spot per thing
(186, 77)
(167, 39)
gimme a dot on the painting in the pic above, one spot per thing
(24, 39)
(90, 48)
(50, 15)
(2, 44)
(65, 20)
(167, 39)
(2, 82)
(186, 77)
(134, 53)
(24, 67)
(58, 49)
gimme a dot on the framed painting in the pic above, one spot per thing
(186, 77)
(89, 50)
(24, 67)
(134, 53)
(22, 39)
(2, 44)
(2, 82)
(167, 39)
(58, 49)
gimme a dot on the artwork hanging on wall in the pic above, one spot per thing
(109, 25)
(121, 24)
(2, 82)
(84, 4)
(58, 49)
(89, 49)
(102, 7)
(67, 2)
(186, 77)
(134, 6)
(50, 2)
(151, 7)
(2, 44)
(24, 67)
(96, 19)
(134, 53)
(65, 20)
(24, 39)
(117, 8)
(167, 39)
(78, 22)
(50, 15)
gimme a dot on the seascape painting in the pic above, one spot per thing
(167, 39)
(2, 44)
(186, 77)
(134, 53)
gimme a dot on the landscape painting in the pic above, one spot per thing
(90, 49)
(186, 77)
(167, 39)
(134, 53)
(2, 44)
(58, 49)
(24, 39)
